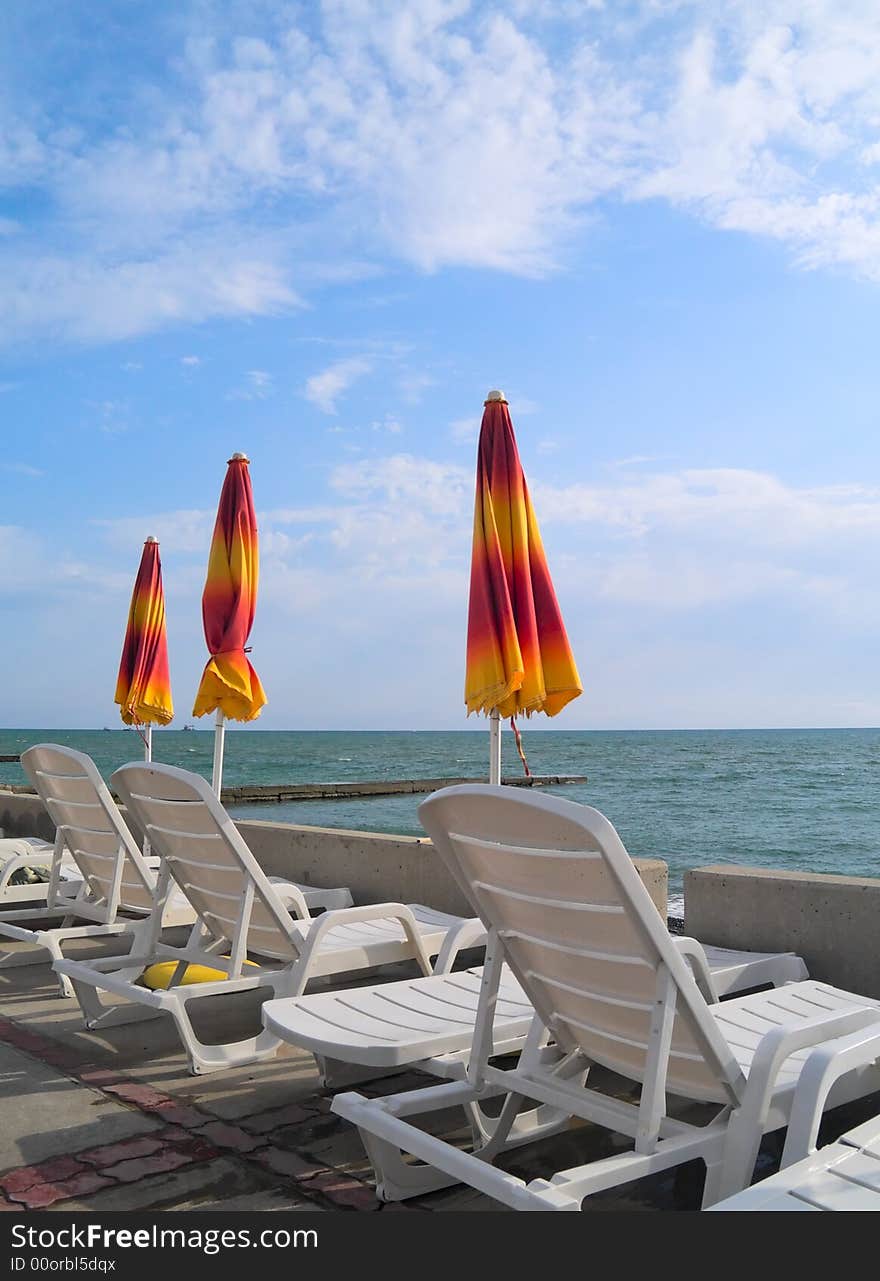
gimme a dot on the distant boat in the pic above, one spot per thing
(189, 727)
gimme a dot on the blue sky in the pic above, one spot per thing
(320, 233)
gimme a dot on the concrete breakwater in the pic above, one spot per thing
(376, 787)
(278, 792)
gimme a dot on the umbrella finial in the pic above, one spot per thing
(151, 539)
(496, 396)
(239, 458)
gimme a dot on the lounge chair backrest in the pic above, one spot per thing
(208, 859)
(94, 831)
(582, 935)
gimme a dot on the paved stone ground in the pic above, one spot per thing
(113, 1121)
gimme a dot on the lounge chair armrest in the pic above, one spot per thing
(321, 925)
(781, 1042)
(832, 1060)
(290, 896)
(693, 953)
(471, 933)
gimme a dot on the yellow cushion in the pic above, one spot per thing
(159, 975)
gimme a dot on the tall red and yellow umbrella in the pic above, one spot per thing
(519, 661)
(229, 685)
(143, 687)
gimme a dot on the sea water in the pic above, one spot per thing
(800, 800)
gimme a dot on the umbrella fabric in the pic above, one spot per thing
(143, 687)
(519, 660)
(229, 682)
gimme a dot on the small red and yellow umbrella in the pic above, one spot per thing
(229, 685)
(143, 687)
(519, 660)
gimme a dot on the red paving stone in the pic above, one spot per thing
(196, 1148)
(100, 1077)
(142, 1096)
(343, 1191)
(177, 1114)
(130, 1171)
(42, 1195)
(141, 1145)
(25, 1176)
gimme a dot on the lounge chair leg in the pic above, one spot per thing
(97, 1015)
(712, 1186)
(213, 1058)
(335, 1073)
(736, 1166)
(512, 1127)
(53, 947)
(397, 1179)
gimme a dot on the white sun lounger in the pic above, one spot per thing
(844, 1175)
(428, 1023)
(240, 911)
(114, 886)
(20, 853)
(567, 912)
(114, 895)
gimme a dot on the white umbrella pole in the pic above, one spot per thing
(219, 737)
(148, 756)
(494, 746)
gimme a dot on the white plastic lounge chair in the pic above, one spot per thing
(844, 1175)
(113, 891)
(566, 910)
(18, 856)
(428, 1024)
(239, 910)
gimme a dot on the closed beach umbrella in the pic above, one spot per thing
(143, 687)
(519, 660)
(230, 686)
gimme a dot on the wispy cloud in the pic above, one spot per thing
(324, 389)
(442, 134)
(191, 362)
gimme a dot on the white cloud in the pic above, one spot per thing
(324, 389)
(717, 502)
(438, 134)
(191, 361)
(179, 531)
(95, 300)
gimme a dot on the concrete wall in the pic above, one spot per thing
(22, 814)
(376, 868)
(833, 922)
